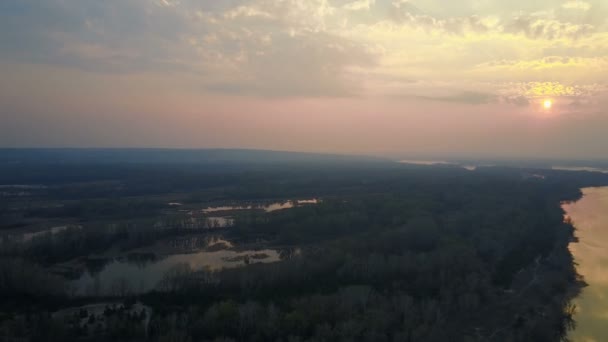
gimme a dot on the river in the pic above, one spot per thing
(590, 217)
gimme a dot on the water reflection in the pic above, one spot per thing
(469, 167)
(195, 222)
(142, 272)
(26, 237)
(590, 217)
(270, 207)
(197, 243)
(580, 168)
(220, 221)
(425, 162)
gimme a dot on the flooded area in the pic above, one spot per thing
(270, 207)
(142, 270)
(425, 162)
(590, 217)
(54, 230)
(466, 166)
(220, 221)
(141, 267)
(37, 232)
(580, 168)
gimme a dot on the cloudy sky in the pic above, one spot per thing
(391, 77)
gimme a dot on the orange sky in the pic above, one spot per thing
(390, 77)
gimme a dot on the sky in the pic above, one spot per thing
(403, 78)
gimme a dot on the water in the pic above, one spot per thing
(26, 237)
(580, 168)
(469, 167)
(590, 217)
(142, 272)
(267, 207)
(220, 221)
(194, 223)
(426, 162)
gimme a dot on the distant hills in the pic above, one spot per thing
(171, 156)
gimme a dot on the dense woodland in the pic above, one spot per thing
(392, 253)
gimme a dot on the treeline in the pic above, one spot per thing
(390, 254)
(96, 237)
(485, 262)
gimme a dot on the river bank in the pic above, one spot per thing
(589, 216)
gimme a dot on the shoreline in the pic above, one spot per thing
(580, 283)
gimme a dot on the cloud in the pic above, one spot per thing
(406, 13)
(465, 97)
(517, 100)
(547, 24)
(306, 65)
(168, 3)
(572, 98)
(276, 49)
(543, 89)
(561, 69)
(247, 11)
(260, 47)
(577, 5)
(313, 48)
(457, 25)
(549, 62)
(99, 36)
(359, 5)
(543, 28)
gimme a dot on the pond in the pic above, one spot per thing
(590, 217)
(141, 272)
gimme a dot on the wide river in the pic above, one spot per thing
(590, 217)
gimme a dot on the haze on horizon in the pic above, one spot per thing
(474, 78)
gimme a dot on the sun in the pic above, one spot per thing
(547, 104)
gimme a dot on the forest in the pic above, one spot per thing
(389, 252)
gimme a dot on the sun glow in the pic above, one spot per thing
(547, 104)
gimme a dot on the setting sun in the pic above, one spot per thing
(548, 104)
